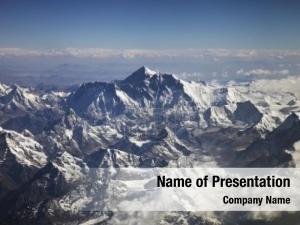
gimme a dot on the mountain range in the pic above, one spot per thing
(50, 139)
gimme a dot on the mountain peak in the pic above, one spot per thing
(26, 150)
(146, 70)
(289, 122)
(140, 75)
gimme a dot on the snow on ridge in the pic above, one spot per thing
(69, 166)
(149, 71)
(125, 98)
(219, 116)
(4, 89)
(202, 95)
(22, 97)
(26, 150)
(137, 142)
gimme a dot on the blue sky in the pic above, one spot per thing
(143, 24)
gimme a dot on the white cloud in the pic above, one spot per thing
(289, 84)
(262, 72)
(214, 54)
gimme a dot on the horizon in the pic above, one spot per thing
(77, 65)
(77, 41)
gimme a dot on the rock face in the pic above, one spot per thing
(50, 141)
(271, 151)
(247, 112)
(21, 159)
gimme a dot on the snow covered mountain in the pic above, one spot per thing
(49, 141)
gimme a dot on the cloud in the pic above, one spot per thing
(100, 53)
(262, 72)
(289, 84)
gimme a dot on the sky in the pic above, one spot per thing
(72, 41)
(150, 24)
